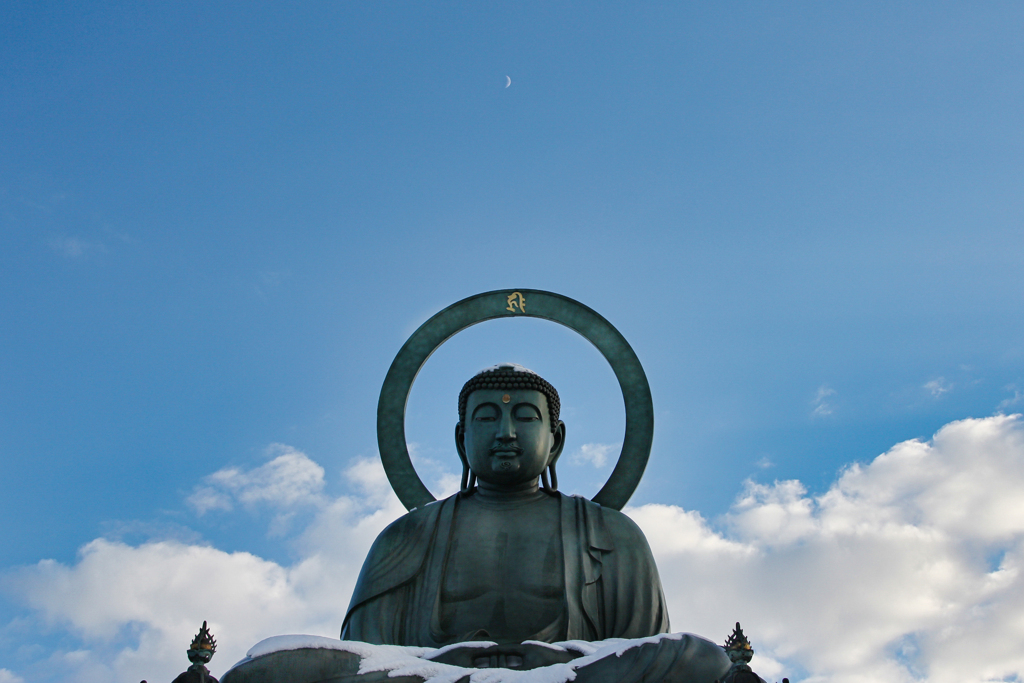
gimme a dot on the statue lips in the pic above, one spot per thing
(505, 454)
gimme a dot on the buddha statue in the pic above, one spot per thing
(508, 558)
(509, 572)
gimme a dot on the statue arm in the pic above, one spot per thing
(384, 589)
(634, 602)
(381, 619)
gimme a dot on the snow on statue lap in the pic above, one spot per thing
(668, 657)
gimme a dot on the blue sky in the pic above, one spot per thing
(219, 223)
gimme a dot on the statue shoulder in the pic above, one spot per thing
(621, 522)
(406, 534)
(411, 525)
(610, 525)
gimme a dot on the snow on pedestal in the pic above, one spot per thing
(400, 660)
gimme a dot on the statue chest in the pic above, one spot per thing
(504, 572)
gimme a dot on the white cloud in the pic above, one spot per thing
(888, 576)
(7, 676)
(135, 608)
(1017, 397)
(595, 454)
(73, 247)
(909, 568)
(937, 387)
(289, 479)
(821, 405)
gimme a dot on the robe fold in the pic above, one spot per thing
(612, 588)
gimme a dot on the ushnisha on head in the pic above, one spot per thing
(509, 433)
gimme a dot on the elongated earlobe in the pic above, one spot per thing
(468, 479)
(554, 477)
(544, 481)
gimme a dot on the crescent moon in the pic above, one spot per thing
(509, 81)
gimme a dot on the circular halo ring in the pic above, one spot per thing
(507, 303)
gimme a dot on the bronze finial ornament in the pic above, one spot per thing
(507, 303)
(740, 652)
(203, 646)
(737, 643)
(200, 652)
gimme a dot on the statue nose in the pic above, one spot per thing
(507, 430)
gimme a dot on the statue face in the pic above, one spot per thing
(507, 437)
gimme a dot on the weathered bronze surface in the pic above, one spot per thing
(506, 560)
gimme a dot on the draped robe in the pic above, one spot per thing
(612, 588)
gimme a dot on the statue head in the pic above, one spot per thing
(509, 433)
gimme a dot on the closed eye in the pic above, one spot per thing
(486, 412)
(526, 412)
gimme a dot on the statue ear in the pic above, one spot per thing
(550, 477)
(460, 446)
(460, 440)
(557, 442)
